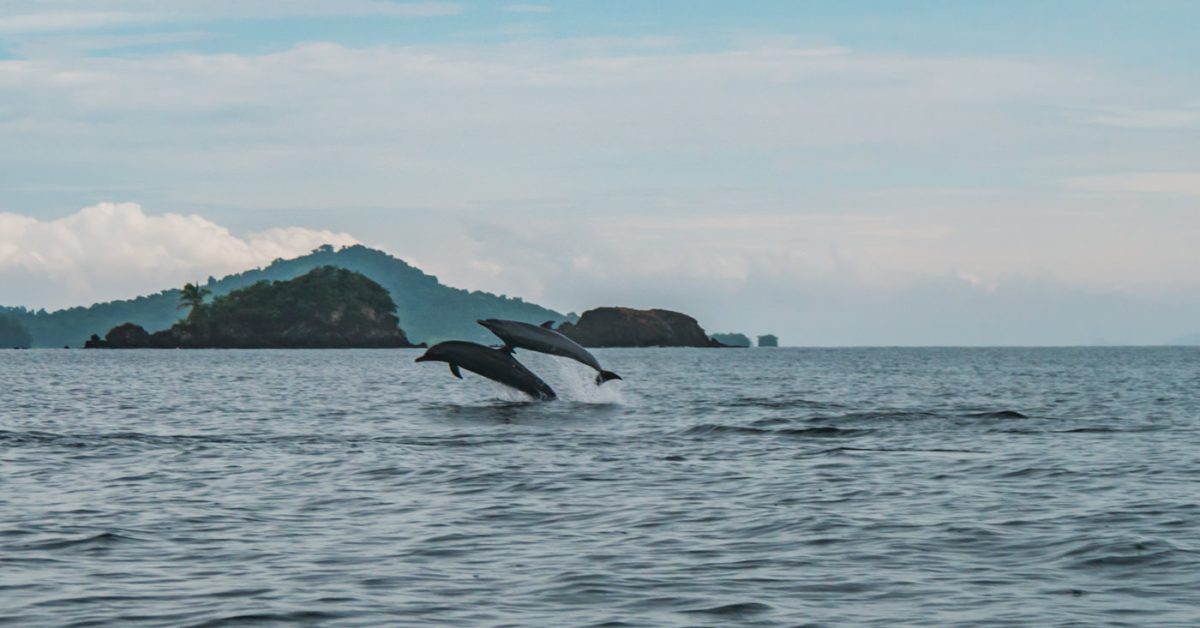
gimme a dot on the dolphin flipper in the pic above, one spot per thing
(454, 370)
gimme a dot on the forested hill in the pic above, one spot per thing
(428, 311)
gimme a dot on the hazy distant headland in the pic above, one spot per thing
(428, 310)
(13, 333)
(324, 308)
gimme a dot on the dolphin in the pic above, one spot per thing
(494, 364)
(518, 335)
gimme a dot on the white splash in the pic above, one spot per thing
(576, 382)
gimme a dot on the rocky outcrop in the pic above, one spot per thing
(769, 340)
(733, 339)
(130, 336)
(627, 327)
(326, 308)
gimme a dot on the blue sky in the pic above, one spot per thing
(834, 172)
(1154, 32)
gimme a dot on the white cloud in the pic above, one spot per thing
(323, 125)
(79, 15)
(75, 45)
(1130, 118)
(485, 268)
(112, 250)
(66, 21)
(273, 9)
(1182, 183)
(819, 279)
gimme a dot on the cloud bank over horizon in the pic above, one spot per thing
(115, 250)
(733, 275)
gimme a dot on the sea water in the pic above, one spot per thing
(708, 488)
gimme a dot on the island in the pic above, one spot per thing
(627, 327)
(732, 339)
(428, 309)
(769, 340)
(325, 308)
(13, 333)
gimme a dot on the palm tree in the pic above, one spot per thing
(192, 296)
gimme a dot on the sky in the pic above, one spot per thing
(836, 173)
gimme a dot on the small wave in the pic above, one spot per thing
(777, 403)
(1100, 429)
(733, 611)
(104, 539)
(713, 428)
(106, 438)
(807, 432)
(821, 432)
(385, 472)
(879, 415)
(27, 438)
(236, 593)
(1037, 472)
(135, 439)
(255, 619)
(900, 450)
(1119, 554)
(999, 414)
(768, 422)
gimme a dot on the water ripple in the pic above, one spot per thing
(815, 487)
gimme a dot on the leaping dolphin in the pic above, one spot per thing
(518, 335)
(494, 364)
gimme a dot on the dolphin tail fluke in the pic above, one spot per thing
(604, 376)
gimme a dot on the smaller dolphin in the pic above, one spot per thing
(518, 335)
(494, 364)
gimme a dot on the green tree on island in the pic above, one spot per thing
(192, 296)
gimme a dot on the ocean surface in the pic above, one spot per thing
(789, 487)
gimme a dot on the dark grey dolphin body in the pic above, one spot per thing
(518, 335)
(494, 364)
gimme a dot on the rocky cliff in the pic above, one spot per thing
(627, 327)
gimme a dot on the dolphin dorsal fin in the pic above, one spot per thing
(548, 324)
(454, 370)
